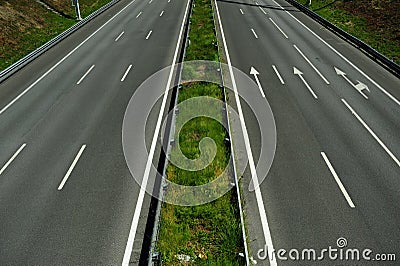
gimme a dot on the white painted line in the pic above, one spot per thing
(62, 60)
(343, 57)
(84, 75)
(300, 74)
(279, 75)
(276, 25)
(162, 12)
(12, 158)
(148, 35)
(138, 15)
(119, 36)
(257, 191)
(261, 8)
(126, 73)
(255, 35)
(255, 73)
(169, 1)
(372, 133)
(311, 64)
(60, 187)
(241, 11)
(337, 179)
(150, 1)
(138, 208)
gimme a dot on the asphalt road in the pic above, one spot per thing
(66, 194)
(336, 169)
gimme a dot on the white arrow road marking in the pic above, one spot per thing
(372, 133)
(60, 187)
(12, 158)
(255, 34)
(255, 73)
(84, 75)
(342, 56)
(337, 179)
(300, 74)
(359, 86)
(277, 73)
(276, 25)
(148, 35)
(126, 73)
(119, 36)
(241, 11)
(311, 64)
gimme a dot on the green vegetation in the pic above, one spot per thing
(210, 234)
(26, 25)
(373, 22)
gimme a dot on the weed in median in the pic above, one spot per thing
(208, 234)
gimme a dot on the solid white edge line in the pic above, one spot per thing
(12, 158)
(84, 75)
(372, 133)
(148, 35)
(62, 60)
(71, 168)
(260, 203)
(241, 11)
(119, 36)
(343, 57)
(162, 12)
(276, 25)
(138, 208)
(255, 35)
(138, 15)
(126, 73)
(311, 64)
(279, 75)
(337, 179)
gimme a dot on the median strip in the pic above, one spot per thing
(208, 233)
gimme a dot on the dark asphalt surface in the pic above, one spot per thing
(88, 221)
(304, 205)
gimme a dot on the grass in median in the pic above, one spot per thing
(374, 22)
(209, 234)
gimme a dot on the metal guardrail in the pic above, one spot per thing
(390, 65)
(6, 73)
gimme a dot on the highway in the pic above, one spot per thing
(66, 194)
(336, 169)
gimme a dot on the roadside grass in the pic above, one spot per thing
(211, 233)
(26, 25)
(382, 40)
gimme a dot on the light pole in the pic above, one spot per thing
(77, 10)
